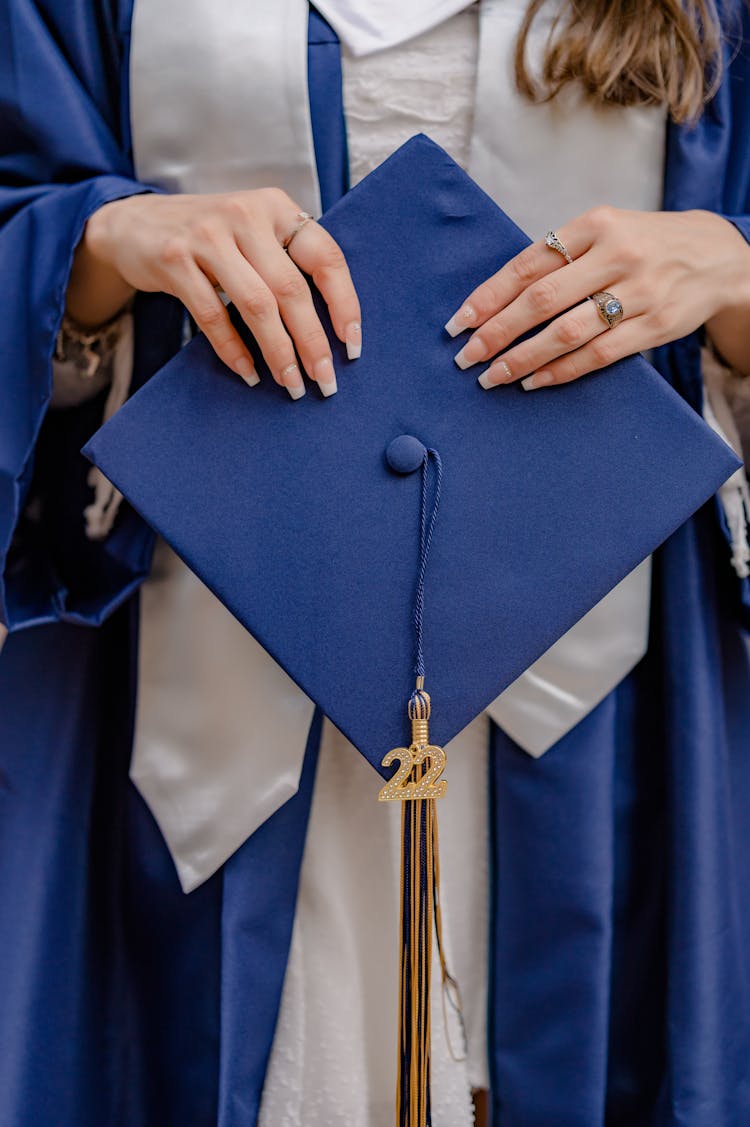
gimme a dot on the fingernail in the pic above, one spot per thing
(460, 321)
(354, 340)
(292, 381)
(497, 373)
(472, 352)
(537, 379)
(247, 370)
(325, 377)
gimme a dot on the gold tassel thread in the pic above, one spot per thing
(416, 784)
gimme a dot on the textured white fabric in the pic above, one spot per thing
(101, 513)
(736, 389)
(366, 26)
(425, 86)
(84, 360)
(734, 493)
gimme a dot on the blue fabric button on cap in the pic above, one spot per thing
(292, 515)
(405, 454)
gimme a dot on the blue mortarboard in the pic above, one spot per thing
(291, 513)
(310, 520)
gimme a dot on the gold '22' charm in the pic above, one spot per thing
(421, 764)
(409, 783)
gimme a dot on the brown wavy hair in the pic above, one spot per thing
(628, 52)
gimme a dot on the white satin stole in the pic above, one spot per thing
(222, 103)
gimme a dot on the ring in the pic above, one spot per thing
(553, 242)
(304, 219)
(610, 308)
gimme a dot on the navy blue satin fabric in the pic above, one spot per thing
(708, 166)
(124, 1003)
(326, 110)
(621, 913)
(621, 922)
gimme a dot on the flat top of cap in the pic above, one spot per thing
(294, 516)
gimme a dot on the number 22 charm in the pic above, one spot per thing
(420, 764)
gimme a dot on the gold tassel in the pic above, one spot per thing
(416, 784)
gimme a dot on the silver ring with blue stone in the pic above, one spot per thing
(610, 308)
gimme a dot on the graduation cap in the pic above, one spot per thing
(312, 521)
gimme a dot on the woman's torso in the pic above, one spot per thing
(441, 83)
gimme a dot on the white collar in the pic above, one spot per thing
(367, 26)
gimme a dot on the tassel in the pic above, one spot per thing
(416, 784)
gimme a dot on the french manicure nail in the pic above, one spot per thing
(460, 321)
(497, 373)
(537, 379)
(292, 381)
(354, 340)
(471, 353)
(247, 370)
(325, 377)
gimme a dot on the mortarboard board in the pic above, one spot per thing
(293, 515)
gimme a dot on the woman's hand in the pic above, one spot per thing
(672, 272)
(190, 246)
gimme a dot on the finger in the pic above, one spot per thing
(613, 344)
(207, 310)
(533, 263)
(571, 331)
(320, 256)
(542, 300)
(565, 334)
(260, 311)
(292, 293)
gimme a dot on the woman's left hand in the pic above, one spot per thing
(671, 271)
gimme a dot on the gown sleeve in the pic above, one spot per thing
(62, 156)
(737, 181)
(736, 208)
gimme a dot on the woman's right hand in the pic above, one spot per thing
(190, 245)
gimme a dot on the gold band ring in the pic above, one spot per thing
(609, 307)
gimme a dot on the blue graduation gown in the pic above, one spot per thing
(621, 917)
